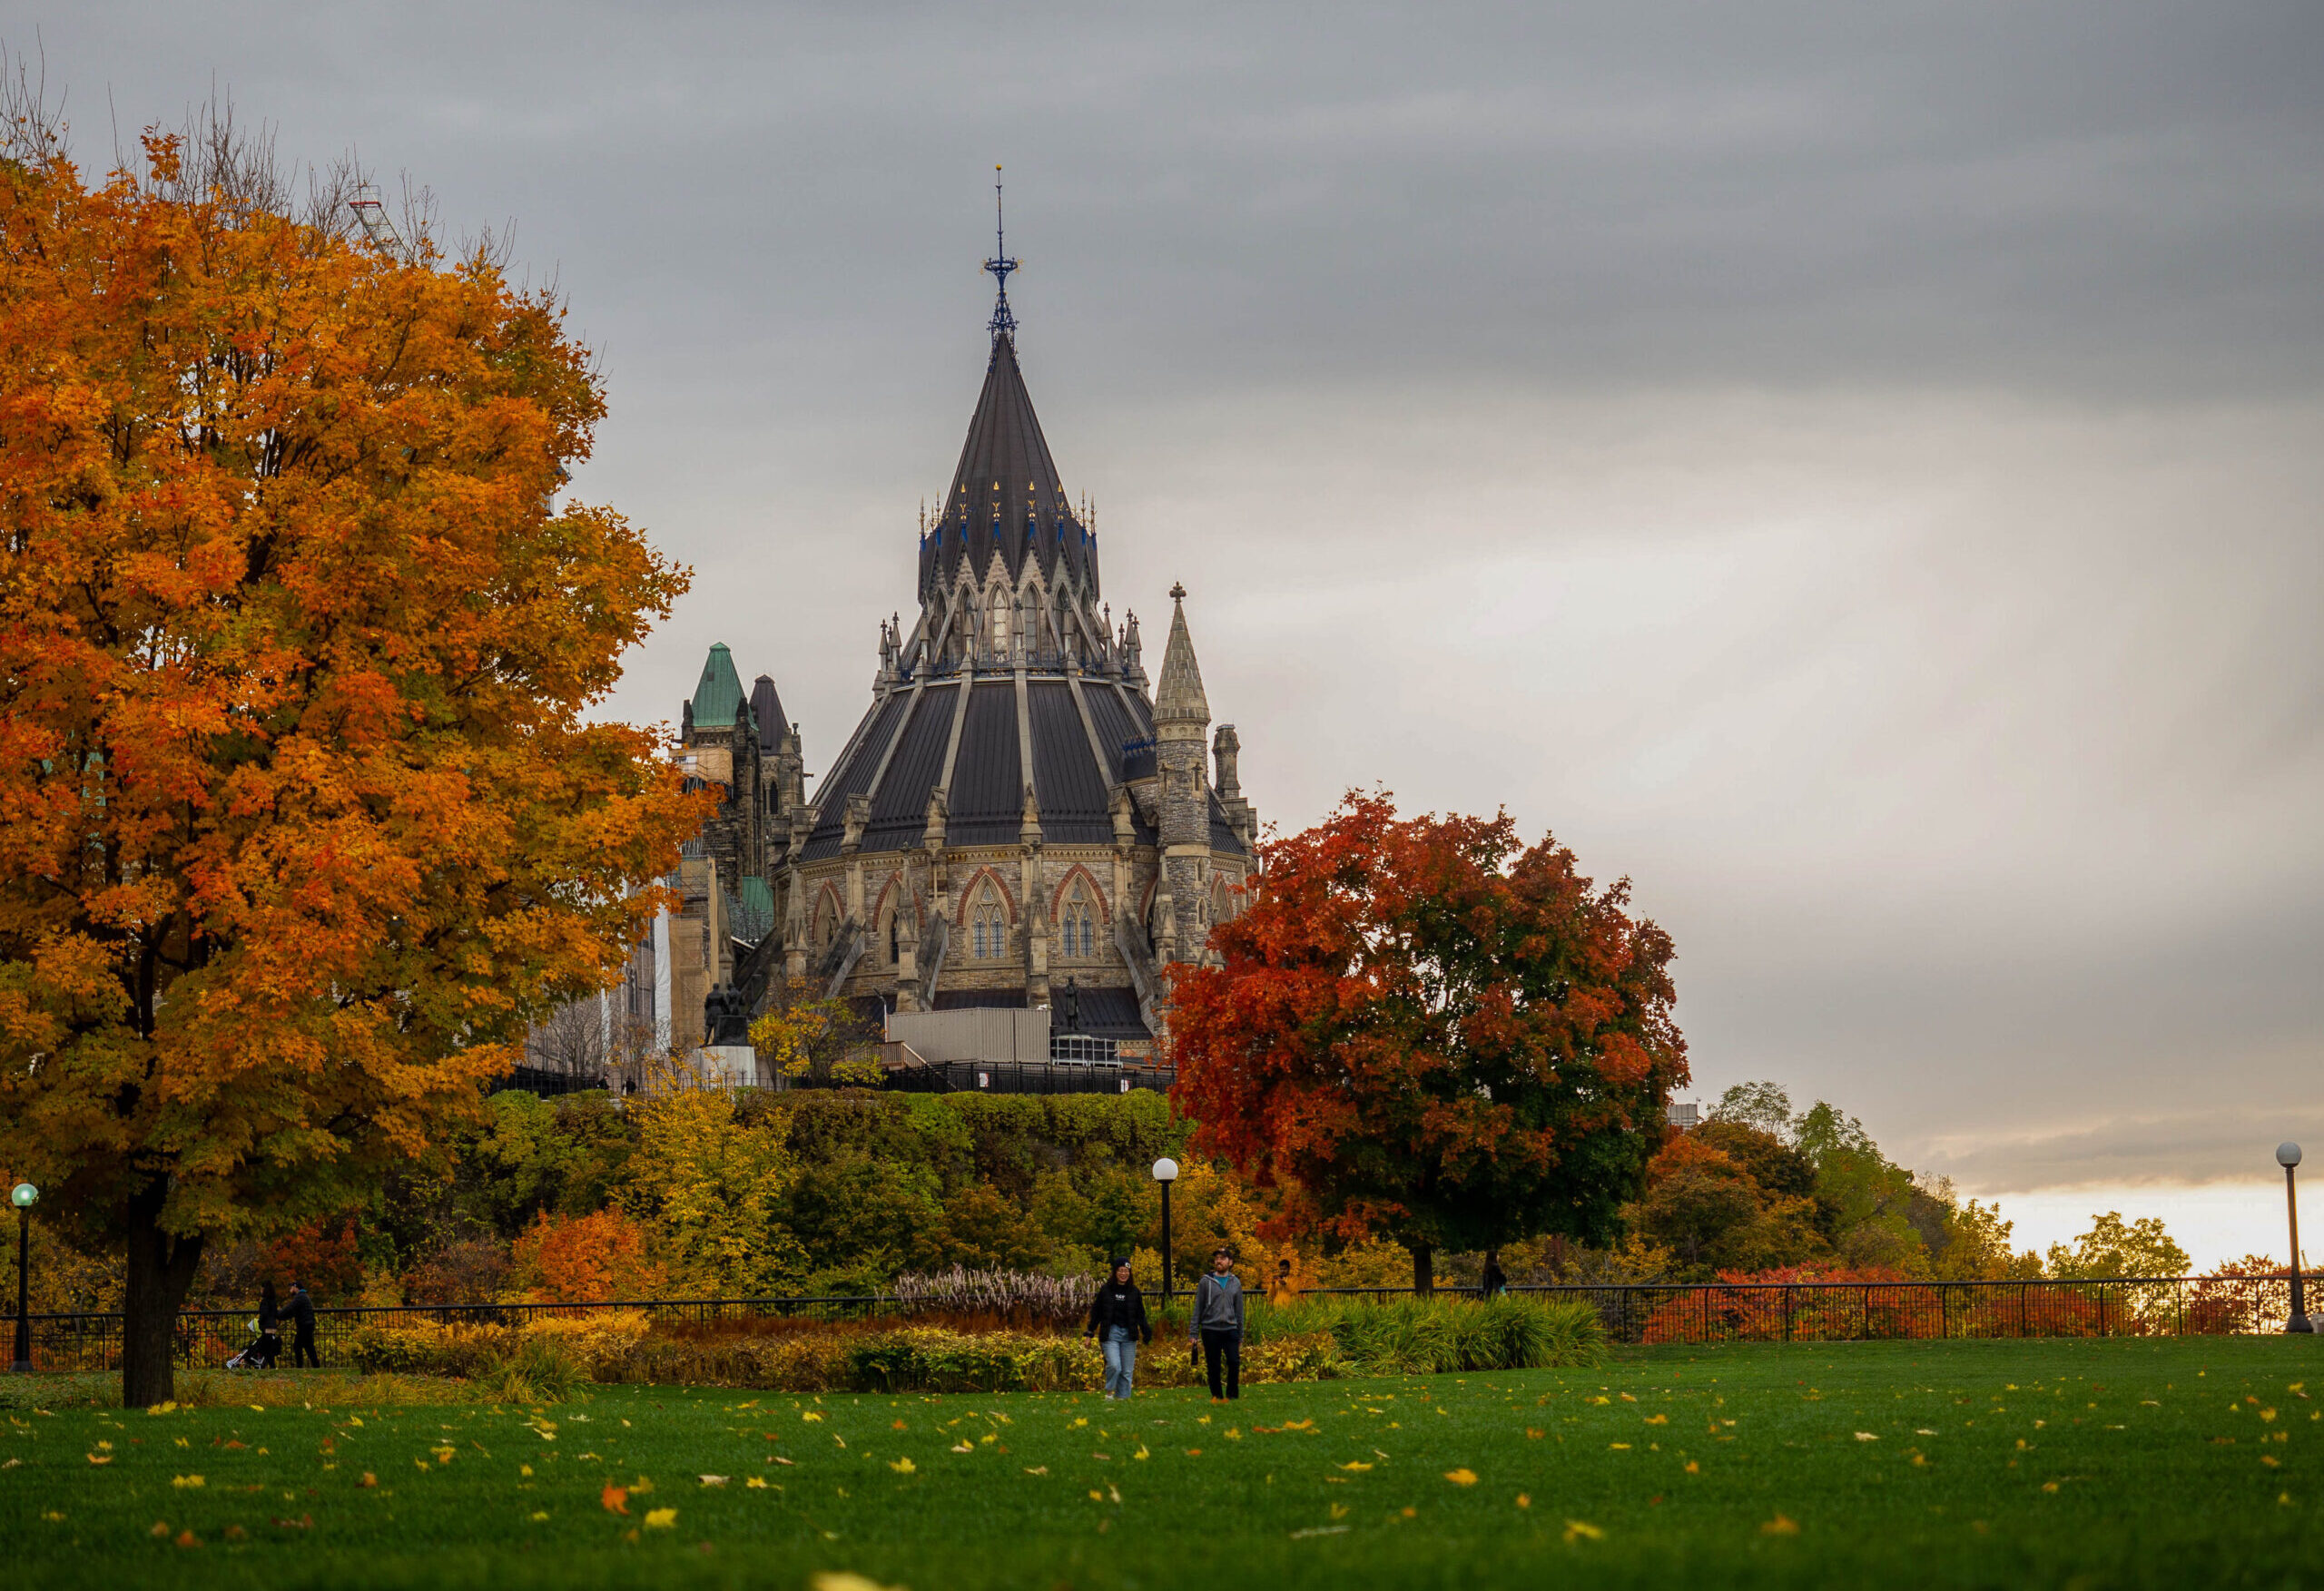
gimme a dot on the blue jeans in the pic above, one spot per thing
(1121, 1360)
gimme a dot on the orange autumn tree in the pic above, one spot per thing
(584, 1259)
(300, 819)
(1419, 1029)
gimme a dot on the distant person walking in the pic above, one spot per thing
(1117, 1319)
(1493, 1283)
(1217, 1324)
(301, 1310)
(270, 1327)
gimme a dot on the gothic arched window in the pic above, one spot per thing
(1077, 926)
(998, 634)
(988, 924)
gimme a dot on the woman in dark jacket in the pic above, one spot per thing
(270, 1327)
(1493, 1283)
(1117, 1320)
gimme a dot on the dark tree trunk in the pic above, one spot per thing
(161, 1270)
(1423, 1269)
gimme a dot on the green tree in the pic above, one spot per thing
(1975, 1245)
(984, 1230)
(1866, 1201)
(1762, 1106)
(2113, 1247)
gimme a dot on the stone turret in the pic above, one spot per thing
(1227, 748)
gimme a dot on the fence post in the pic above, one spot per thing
(2102, 1308)
(1786, 1312)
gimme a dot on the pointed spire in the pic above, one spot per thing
(718, 695)
(767, 708)
(1005, 462)
(1004, 324)
(1178, 699)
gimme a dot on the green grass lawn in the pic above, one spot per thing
(2090, 1463)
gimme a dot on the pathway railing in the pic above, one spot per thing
(1634, 1313)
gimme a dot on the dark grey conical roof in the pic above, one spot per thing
(1006, 495)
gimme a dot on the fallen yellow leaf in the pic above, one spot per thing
(661, 1518)
(1578, 1530)
(1461, 1477)
(1781, 1525)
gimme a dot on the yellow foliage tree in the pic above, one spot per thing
(713, 1187)
(802, 1037)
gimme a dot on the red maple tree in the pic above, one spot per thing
(1421, 1029)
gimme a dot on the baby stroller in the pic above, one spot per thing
(265, 1348)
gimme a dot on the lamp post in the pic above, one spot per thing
(24, 1196)
(2288, 1156)
(1166, 1172)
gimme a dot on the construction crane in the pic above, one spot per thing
(372, 217)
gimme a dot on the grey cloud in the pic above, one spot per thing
(1852, 468)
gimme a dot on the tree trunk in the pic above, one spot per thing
(1423, 1269)
(161, 1270)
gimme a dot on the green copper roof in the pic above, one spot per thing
(754, 909)
(718, 699)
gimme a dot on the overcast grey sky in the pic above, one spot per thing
(1854, 468)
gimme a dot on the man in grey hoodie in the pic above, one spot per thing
(1217, 1324)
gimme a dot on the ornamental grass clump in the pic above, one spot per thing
(535, 1369)
(1020, 1297)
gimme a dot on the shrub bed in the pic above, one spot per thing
(1303, 1343)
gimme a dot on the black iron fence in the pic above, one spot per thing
(1842, 1312)
(1028, 1077)
(90, 1341)
(1634, 1313)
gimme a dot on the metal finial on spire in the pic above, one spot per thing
(1000, 265)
